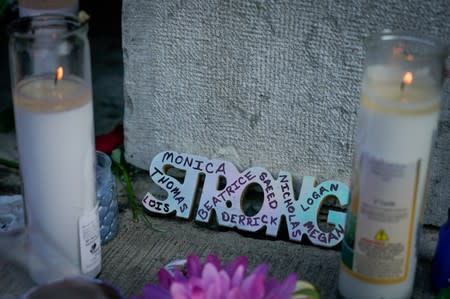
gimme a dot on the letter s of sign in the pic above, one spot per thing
(161, 162)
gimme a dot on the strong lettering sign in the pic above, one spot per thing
(301, 214)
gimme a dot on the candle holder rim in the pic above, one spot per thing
(14, 27)
(437, 46)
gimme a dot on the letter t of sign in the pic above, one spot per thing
(210, 190)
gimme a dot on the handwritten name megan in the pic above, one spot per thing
(301, 214)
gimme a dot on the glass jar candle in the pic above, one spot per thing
(398, 117)
(52, 97)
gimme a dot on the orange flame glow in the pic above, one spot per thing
(59, 73)
(408, 78)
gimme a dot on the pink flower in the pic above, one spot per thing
(209, 280)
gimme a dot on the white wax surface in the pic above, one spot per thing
(55, 134)
(383, 84)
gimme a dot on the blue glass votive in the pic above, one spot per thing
(108, 209)
(441, 262)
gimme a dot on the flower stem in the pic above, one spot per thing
(130, 193)
(120, 165)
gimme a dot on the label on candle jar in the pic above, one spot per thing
(380, 249)
(90, 249)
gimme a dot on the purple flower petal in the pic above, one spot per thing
(232, 267)
(165, 278)
(197, 293)
(235, 294)
(209, 281)
(178, 291)
(253, 286)
(281, 290)
(193, 266)
(224, 282)
(288, 286)
(238, 276)
(272, 284)
(213, 259)
(196, 282)
(213, 292)
(178, 276)
(261, 270)
(151, 291)
(209, 274)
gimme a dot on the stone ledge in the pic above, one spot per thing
(133, 258)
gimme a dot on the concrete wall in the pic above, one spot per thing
(266, 83)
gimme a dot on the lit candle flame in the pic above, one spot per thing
(407, 80)
(59, 73)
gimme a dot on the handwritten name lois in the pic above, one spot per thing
(301, 214)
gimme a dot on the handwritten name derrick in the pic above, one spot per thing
(278, 198)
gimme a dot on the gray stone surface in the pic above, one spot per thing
(264, 83)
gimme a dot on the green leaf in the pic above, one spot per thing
(120, 170)
(310, 294)
(118, 159)
(116, 155)
(305, 289)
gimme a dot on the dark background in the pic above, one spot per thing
(105, 16)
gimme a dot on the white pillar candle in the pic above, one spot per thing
(54, 124)
(398, 118)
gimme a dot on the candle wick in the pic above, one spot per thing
(402, 86)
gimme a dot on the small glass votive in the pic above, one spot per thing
(11, 214)
(108, 209)
(74, 288)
